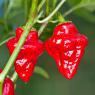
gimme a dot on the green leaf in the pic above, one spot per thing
(54, 3)
(41, 71)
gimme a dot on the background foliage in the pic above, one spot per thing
(14, 13)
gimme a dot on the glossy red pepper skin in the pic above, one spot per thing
(67, 47)
(27, 57)
(8, 86)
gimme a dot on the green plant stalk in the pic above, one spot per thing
(21, 41)
(75, 8)
(42, 28)
(14, 77)
(52, 14)
(26, 8)
(47, 7)
(33, 12)
(3, 42)
(5, 16)
(41, 4)
(71, 10)
(54, 3)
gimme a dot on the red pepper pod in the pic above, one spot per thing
(67, 47)
(8, 86)
(28, 55)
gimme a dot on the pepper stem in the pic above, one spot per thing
(14, 77)
(52, 14)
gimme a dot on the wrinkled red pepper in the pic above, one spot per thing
(28, 55)
(67, 47)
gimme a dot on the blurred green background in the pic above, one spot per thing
(14, 13)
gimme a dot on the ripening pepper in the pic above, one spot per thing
(66, 46)
(28, 55)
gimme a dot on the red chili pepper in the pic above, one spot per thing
(66, 46)
(27, 57)
(8, 86)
